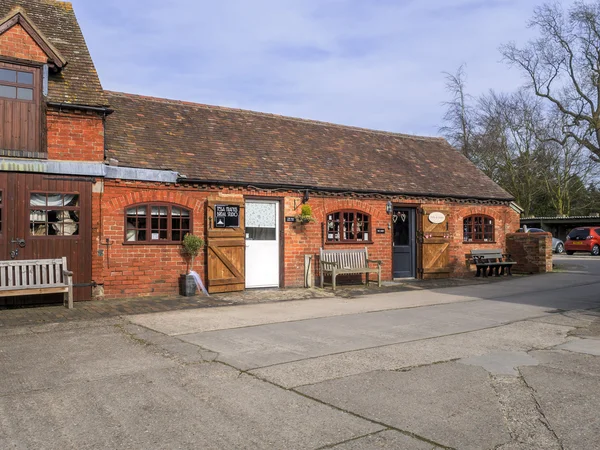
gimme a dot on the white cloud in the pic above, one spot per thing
(374, 64)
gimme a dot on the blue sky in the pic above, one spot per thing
(376, 64)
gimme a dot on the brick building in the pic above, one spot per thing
(114, 181)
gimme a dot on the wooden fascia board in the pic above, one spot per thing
(19, 17)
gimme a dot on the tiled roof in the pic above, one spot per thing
(211, 143)
(78, 82)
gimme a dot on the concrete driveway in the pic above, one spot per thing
(511, 365)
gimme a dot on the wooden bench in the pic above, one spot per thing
(490, 262)
(37, 276)
(338, 262)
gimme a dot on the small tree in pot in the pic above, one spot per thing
(191, 248)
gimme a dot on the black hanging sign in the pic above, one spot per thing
(380, 230)
(227, 216)
(290, 219)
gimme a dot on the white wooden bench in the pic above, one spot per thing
(338, 262)
(37, 276)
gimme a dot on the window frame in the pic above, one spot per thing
(482, 240)
(341, 222)
(148, 228)
(77, 208)
(16, 84)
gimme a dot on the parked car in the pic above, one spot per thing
(558, 246)
(583, 239)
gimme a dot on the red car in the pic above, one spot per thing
(583, 239)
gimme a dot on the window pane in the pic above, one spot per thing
(55, 199)
(8, 75)
(25, 78)
(37, 223)
(8, 91)
(71, 200)
(25, 94)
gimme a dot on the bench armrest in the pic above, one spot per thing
(68, 273)
(507, 257)
(376, 261)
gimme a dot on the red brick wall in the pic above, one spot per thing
(74, 136)
(16, 43)
(531, 251)
(138, 270)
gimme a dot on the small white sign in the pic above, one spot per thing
(437, 217)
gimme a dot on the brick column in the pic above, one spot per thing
(531, 251)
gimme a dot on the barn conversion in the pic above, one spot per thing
(114, 181)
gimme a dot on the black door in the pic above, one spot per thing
(404, 221)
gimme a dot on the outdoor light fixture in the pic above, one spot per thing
(305, 197)
(388, 207)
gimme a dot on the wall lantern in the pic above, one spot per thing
(388, 207)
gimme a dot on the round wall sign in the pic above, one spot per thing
(437, 217)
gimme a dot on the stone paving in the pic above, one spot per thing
(98, 309)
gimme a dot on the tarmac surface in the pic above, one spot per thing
(512, 364)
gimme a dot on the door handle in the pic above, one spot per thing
(20, 242)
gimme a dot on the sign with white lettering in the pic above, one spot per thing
(437, 217)
(227, 216)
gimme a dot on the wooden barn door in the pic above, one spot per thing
(435, 247)
(47, 216)
(226, 249)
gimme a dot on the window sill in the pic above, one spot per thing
(348, 242)
(479, 242)
(152, 242)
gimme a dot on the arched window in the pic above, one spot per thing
(478, 228)
(157, 223)
(348, 226)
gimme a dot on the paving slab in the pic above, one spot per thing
(53, 358)
(196, 321)
(501, 363)
(569, 361)
(386, 440)
(570, 403)
(450, 404)
(519, 336)
(260, 346)
(528, 427)
(206, 406)
(588, 346)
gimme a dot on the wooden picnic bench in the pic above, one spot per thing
(338, 262)
(37, 276)
(492, 262)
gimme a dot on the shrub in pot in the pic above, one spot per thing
(191, 247)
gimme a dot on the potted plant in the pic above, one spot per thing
(305, 215)
(191, 248)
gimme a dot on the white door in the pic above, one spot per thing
(262, 243)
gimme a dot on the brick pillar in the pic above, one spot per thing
(531, 251)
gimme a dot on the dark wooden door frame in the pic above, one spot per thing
(415, 242)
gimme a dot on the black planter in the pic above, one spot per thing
(187, 286)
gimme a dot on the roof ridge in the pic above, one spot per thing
(279, 116)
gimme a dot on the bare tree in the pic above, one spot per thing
(508, 124)
(563, 67)
(458, 129)
(570, 169)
